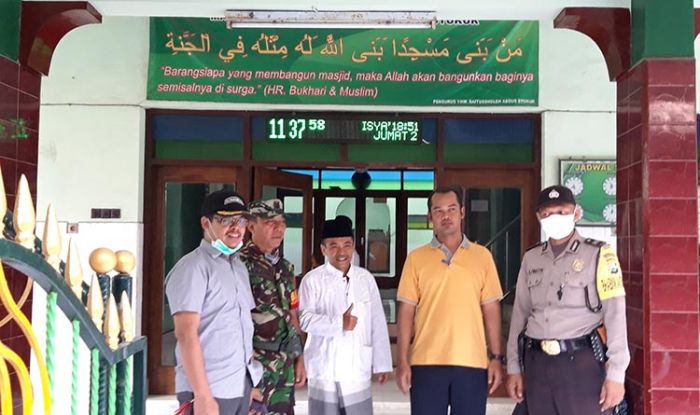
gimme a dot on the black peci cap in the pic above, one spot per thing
(339, 227)
(344, 221)
(224, 203)
(555, 195)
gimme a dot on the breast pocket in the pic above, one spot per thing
(574, 292)
(536, 288)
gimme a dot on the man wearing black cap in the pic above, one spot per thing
(210, 299)
(568, 288)
(341, 311)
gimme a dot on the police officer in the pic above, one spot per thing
(568, 288)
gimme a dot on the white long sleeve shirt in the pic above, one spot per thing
(330, 352)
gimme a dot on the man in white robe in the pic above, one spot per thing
(348, 341)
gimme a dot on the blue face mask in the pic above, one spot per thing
(220, 246)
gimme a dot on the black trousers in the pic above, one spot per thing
(434, 388)
(566, 384)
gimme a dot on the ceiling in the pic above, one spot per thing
(477, 9)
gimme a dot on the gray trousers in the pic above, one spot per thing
(235, 406)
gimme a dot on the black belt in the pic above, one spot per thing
(555, 347)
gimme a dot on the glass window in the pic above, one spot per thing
(380, 236)
(350, 179)
(420, 230)
(340, 206)
(197, 127)
(197, 137)
(385, 180)
(294, 236)
(389, 303)
(491, 130)
(418, 180)
(337, 179)
(429, 131)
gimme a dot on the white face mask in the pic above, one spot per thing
(558, 226)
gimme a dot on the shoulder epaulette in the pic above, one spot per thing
(595, 242)
(537, 245)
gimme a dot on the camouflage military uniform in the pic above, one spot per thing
(272, 283)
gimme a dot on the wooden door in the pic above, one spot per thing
(500, 214)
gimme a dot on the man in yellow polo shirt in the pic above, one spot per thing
(449, 295)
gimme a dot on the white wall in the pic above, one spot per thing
(588, 135)
(91, 157)
(92, 137)
(100, 64)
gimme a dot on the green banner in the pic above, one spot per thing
(10, 11)
(593, 182)
(481, 63)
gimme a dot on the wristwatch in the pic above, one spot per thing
(498, 357)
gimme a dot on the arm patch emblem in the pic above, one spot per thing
(609, 275)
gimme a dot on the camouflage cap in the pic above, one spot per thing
(266, 208)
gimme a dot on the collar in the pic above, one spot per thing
(573, 244)
(206, 247)
(335, 272)
(254, 251)
(274, 257)
(435, 243)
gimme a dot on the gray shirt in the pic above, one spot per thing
(585, 263)
(217, 287)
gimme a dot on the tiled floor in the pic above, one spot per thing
(387, 401)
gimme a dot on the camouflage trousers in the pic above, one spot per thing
(277, 384)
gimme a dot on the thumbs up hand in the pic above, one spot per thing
(349, 321)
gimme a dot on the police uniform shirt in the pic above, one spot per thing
(550, 299)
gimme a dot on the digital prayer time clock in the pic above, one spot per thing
(323, 129)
